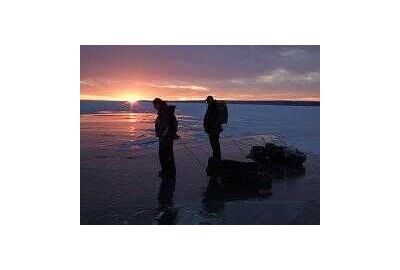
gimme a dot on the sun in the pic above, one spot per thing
(132, 101)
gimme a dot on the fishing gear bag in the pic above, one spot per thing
(277, 154)
(173, 123)
(222, 112)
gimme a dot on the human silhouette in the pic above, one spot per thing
(212, 126)
(166, 127)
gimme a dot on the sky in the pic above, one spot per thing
(130, 73)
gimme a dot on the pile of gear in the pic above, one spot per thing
(270, 162)
(278, 155)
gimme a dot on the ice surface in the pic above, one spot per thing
(119, 165)
(297, 126)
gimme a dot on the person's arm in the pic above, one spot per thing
(211, 117)
(205, 120)
(212, 121)
(165, 132)
(164, 125)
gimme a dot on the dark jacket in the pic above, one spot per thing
(166, 124)
(210, 122)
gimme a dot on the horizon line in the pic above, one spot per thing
(201, 100)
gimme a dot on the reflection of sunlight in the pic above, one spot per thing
(132, 118)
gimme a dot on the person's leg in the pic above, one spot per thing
(210, 138)
(217, 147)
(171, 160)
(162, 154)
(214, 141)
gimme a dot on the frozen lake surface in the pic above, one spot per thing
(119, 165)
(298, 126)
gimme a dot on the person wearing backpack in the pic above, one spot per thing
(216, 115)
(166, 127)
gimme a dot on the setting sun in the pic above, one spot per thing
(132, 99)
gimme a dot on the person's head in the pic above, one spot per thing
(157, 103)
(209, 100)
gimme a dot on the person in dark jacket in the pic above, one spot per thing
(166, 127)
(213, 127)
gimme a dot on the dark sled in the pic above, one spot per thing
(278, 155)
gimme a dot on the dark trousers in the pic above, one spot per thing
(214, 141)
(166, 155)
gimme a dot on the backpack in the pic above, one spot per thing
(173, 124)
(222, 112)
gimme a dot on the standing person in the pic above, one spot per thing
(166, 127)
(213, 119)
